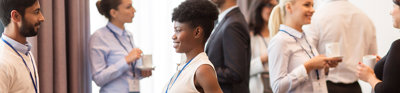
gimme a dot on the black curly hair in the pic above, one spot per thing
(397, 2)
(196, 13)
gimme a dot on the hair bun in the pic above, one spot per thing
(100, 7)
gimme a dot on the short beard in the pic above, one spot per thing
(28, 30)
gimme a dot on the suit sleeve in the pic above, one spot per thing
(236, 43)
(391, 77)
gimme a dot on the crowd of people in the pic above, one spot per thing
(269, 53)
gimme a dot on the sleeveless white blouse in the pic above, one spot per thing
(185, 82)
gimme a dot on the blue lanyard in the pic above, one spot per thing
(119, 41)
(304, 48)
(166, 91)
(34, 81)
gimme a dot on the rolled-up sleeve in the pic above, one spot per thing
(282, 81)
(102, 72)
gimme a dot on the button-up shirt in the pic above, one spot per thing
(110, 70)
(338, 21)
(14, 74)
(286, 59)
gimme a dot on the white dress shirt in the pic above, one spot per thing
(14, 74)
(258, 47)
(338, 21)
(286, 59)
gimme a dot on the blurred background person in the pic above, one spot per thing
(294, 65)
(113, 55)
(193, 24)
(340, 22)
(228, 48)
(260, 11)
(385, 77)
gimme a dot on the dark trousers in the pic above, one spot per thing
(343, 88)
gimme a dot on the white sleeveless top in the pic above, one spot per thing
(185, 82)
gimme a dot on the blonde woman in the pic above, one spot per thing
(295, 66)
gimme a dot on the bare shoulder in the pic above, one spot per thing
(205, 70)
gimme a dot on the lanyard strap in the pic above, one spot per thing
(34, 81)
(265, 42)
(119, 41)
(304, 48)
(166, 91)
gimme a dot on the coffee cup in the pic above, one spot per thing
(147, 61)
(333, 50)
(369, 60)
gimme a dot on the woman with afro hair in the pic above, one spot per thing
(193, 23)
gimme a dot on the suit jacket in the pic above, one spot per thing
(228, 49)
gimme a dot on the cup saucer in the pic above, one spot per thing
(146, 68)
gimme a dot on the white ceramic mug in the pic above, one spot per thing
(333, 50)
(369, 60)
(147, 60)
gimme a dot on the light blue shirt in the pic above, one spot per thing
(110, 70)
(23, 48)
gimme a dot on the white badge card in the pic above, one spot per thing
(134, 85)
(319, 85)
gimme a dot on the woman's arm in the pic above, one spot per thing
(206, 79)
(391, 70)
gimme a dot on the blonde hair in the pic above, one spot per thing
(277, 17)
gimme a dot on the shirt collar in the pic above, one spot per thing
(24, 48)
(291, 31)
(116, 29)
(223, 14)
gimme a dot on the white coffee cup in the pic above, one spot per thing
(333, 50)
(147, 60)
(369, 60)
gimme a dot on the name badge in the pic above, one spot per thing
(134, 85)
(319, 86)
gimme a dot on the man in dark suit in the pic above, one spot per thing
(1, 28)
(228, 48)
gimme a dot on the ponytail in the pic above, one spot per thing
(104, 7)
(100, 7)
(275, 19)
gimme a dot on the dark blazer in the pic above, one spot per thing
(228, 49)
(388, 70)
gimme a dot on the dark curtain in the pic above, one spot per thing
(60, 48)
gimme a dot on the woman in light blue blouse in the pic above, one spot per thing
(113, 55)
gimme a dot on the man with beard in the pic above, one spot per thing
(18, 72)
(228, 48)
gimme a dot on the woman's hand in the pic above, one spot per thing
(146, 73)
(334, 61)
(264, 58)
(318, 62)
(134, 55)
(366, 74)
